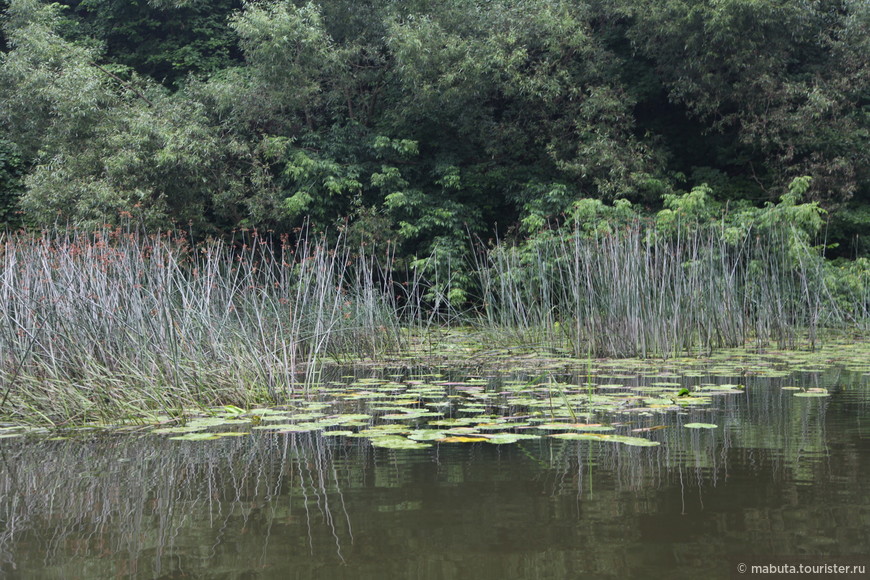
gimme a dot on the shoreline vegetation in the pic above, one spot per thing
(112, 324)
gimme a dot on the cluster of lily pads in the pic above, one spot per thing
(402, 413)
(517, 397)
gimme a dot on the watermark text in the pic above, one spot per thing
(800, 567)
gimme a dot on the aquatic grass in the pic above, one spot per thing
(637, 290)
(116, 322)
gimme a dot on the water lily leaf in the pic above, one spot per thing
(204, 422)
(574, 427)
(633, 441)
(396, 442)
(175, 430)
(463, 431)
(426, 435)
(496, 426)
(287, 428)
(196, 437)
(623, 439)
(504, 438)
(812, 393)
(455, 422)
(580, 436)
(412, 415)
(700, 426)
(382, 430)
(267, 412)
(351, 417)
(462, 439)
(337, 433)
(293, 417)
(693, 401)
(648, 429)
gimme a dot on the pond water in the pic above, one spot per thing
(771, 474)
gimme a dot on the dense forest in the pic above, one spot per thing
(422, 122)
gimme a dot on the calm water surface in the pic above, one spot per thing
(780, 475)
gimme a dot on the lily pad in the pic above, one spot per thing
(415, 414)
(700, 426)
(203, 422)
(176, 430)
(504, 438)
(352, 417)
(396, 442)
(196, 437)
(337, 433)
(623, 439)
(427, 435)
(287, 428)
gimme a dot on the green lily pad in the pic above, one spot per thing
(427, 435)
(623, 439)
(505, 438)
(196, 437)
(293, 417)
(204, 422)
(415, 414)
(382, 430)
(176, 430)
(693, 401)
(396, 442)
(574, 427)
(352, 417)
(455, 422)
(287, 428)
(700, 426)
(462, 439)
(813, 394)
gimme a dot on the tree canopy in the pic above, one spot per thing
(421, 121)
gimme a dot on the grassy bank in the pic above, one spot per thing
(108, 325)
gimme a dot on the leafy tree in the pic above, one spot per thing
(11, 184)
(165, 40)
(787, 79)
(98, 145)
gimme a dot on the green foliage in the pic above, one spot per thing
(786, 80)
(164, 40)
(11, 184)
(427, 121)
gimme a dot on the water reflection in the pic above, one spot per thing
(780, 475)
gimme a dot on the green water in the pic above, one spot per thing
(779, 475)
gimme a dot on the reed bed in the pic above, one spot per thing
(114, 323)
(637, 291)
